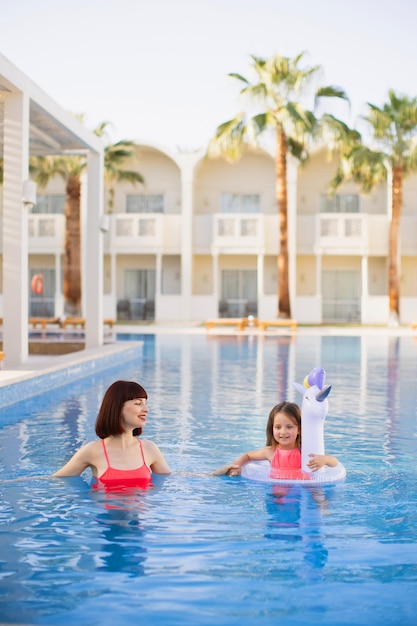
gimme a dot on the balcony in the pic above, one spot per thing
(235, 233)
(342, 233)
(46, 233)
(325, 233)
(147, 233)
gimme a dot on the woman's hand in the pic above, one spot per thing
(231, 470)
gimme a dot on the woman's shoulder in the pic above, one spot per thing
(91, 447)
(148, 444)
(94, 443)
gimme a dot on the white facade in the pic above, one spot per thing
(31, 124)
(200, 239)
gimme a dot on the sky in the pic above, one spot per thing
(157, 70)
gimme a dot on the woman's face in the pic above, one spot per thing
(134, 413)
(285, 431)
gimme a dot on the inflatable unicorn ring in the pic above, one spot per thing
(314, 409)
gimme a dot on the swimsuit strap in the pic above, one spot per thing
(105, 453)
(141, 451)
(107, 457)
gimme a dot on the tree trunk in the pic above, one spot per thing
(72, 262)
(394, 236)
(284, 308)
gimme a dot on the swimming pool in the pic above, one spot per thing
(204, 550)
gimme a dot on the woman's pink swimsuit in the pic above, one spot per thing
(113, 478)
(286, 465)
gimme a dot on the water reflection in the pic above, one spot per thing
(295, 516)
(120, 544)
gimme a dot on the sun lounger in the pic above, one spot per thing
(240, 322)
(80, 321)
(263, 325)
(43, 321)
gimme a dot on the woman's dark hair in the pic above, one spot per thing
(109, 418)
(290, 409)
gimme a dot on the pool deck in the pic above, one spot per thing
(40, 365)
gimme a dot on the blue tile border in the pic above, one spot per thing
(38, 382)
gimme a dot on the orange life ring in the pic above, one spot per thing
(37, 284)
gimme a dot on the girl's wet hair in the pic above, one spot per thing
(293, 411)
(109, 418)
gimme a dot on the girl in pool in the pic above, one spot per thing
(120, 459)
(283, 446)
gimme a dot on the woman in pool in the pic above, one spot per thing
(283, 446)
(120, 459)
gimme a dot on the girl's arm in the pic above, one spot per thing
(320, 460)
(233, 469)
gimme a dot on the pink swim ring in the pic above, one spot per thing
(314, 409)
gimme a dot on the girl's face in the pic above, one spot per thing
(285, 431)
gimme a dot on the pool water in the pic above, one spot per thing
(202, 550)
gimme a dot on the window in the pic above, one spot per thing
(339, 203)
(140, 286)
(239, 293)
(145, 203)
(42, 305)
(240, 203)
(50, 203)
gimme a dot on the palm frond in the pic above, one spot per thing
(229, 139)
(101, 129)
(331, 91)
(239, 77)
(364, 166)
(298, 149)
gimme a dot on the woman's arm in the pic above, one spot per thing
(78, 463)
(155, 459)
(233, 469)
(320, 460)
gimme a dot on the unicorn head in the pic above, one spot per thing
(314, 409)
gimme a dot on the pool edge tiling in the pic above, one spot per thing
(63, 370)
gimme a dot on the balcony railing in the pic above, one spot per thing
(46, 232)
(147, 232)
(241, 231)
(342, 233)
(325, 233)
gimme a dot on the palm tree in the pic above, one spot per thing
(274, 96)
(115, 155)
(394, 132)
(70, 169)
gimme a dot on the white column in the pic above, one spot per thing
(318, 274)
(292, 229)
(187, 199)
(260, 294)
(59, 305)
(216, 286)
(319, 286)
(113, 281)
(92, 252)
(158, 283)
(364, 290)
(15, 230)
